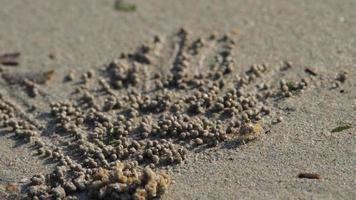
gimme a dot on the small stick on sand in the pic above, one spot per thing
(309, 176)
(9, 59)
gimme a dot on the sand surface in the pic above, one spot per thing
(84, 35)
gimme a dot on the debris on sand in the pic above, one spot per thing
(311, 71)
(20, 78)
(341, 127)
(341, 77)
(52, 56)
(11, 187)
(122, 5)
(309, 176)
(10, 59)
(249, 132)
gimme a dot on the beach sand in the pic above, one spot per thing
(84, 35)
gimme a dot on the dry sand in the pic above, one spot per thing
(87, 34)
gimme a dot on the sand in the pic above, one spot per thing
(85, 35)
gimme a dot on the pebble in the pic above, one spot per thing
(279, 119)
(199, 141)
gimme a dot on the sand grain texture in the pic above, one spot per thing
(318, 34)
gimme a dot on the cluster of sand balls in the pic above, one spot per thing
(130, 119)
(119, 181)
(22, 129)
